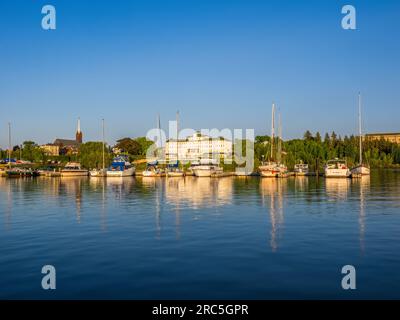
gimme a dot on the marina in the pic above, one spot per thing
(248, 232)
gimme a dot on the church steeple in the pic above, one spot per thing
(78, 135)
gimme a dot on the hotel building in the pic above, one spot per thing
(197, 147)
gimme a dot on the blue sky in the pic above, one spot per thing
(221, 63)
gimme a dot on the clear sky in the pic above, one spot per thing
(220, 62)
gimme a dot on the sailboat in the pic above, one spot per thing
(361, 169)
(282, 168)
(173, 168)
(100, 172)
(269, 168)
(152, 168)
(121, 167)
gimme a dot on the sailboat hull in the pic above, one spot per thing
(361, 170)
(124, 173)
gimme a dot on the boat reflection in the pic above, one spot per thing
(272, 193)
(363, 184)
(337, 188)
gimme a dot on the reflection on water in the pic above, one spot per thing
(337, 188)
(363, 185)
(198, 192)
(171, 234)
(272, 191)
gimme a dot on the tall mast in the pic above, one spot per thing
(359, 126)
(9, 145)
(272, 131)
(177, 136)
(103, 145)
(279, 138)
(159, 130)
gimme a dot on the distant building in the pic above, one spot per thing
(65, 146)
(50, 149)
(391, 137)
(198, 146)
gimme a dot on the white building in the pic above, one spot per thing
(197, 147)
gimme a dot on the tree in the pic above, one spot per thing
(91, 155)
(308, 135)
(129, 146)
(318, 137)
(144, 145)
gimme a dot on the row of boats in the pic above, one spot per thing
(336, 168)
(121, 167)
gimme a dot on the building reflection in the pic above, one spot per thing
(199, 192)
(272, 193)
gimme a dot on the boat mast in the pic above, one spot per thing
(9, 145)
(272, 131)
(103, 145)
(359, 126)
(177, 137)
(279, 155)
(159, 130)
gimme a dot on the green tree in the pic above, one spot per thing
(130, 146)
(91, 155)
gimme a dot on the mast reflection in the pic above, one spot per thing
(272, 191)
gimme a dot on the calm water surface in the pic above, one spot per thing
(138, 238)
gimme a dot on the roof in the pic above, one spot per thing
(384, 134)
(66, 143)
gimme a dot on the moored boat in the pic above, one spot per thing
(301, 169)
(98, 173)
(121, 167)
(336, 168)
(73, 169)
(174, 171)
(21, 172)
(207, 168)
(361, 169)
(152, 170)
(269, 169)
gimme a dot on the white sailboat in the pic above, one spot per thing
(173, 169)
(269, 169)
(282, 168)
(361, 169)
(103, 171)
(152, 168)
(121, 167)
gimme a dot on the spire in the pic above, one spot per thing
(78, 127)
(78, 135)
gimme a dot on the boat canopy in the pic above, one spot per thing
(117, 166)
(173, 165)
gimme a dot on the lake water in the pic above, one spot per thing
(184, 238)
